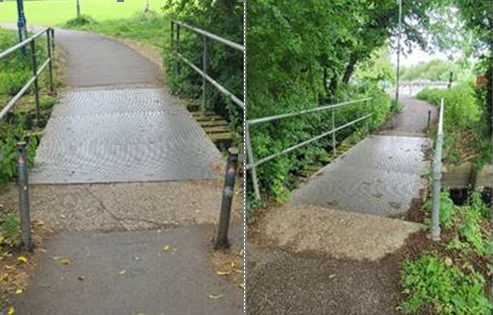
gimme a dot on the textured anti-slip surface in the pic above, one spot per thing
(381, 175)
(122, 135)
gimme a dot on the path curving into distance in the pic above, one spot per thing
(115, 123)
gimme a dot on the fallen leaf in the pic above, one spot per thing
(222, 273)
(22, 259)
(166, 248)
(11, 310)
(332, 276)
(122, 272)
(215, 297)
(81, 278)
(19, 291)
(65, 261)
(448, 261)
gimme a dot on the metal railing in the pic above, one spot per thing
(175, 46)
(437, 176)
(31, 41)
(252, 164)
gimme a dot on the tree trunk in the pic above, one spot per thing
(351, 66)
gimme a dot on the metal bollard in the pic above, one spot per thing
(23, 183)
(428, 126)
(221, 241)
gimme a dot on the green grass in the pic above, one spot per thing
(58, 12)
(150, 28)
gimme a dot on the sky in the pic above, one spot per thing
(416, 57)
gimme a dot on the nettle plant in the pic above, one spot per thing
(8, 147)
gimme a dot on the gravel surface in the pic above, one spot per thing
(342, 235)
(283, 283)
(128, 206)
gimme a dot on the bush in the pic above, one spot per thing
(430, 282)
(447, 209)
(82, 20)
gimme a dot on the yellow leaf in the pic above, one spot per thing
(65, 261)
(241, 285)
(215, 297)
(22, 259)
(19, 291)
(122, 272)
(167, 248)
(222, 273)
(11, 310)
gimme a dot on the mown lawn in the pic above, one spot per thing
(57, 12)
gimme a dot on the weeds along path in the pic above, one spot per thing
(132, 186)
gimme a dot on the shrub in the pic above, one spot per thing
(447, 209)
(430, 282)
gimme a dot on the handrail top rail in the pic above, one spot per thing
(12, 49)
(305, 111)
(212, 36)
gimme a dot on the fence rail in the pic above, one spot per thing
(48, 63)
(175, 44)
(253, 164)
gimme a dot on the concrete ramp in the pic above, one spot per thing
(337, 234)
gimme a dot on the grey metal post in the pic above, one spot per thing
(177, 48)
(78, 9)
(334, 150)
(251, 161)
(437, 175)
(35, 73)
(23, 183)
(428, 125)
(397, 75)
(172, 37)
(367, 121)
(204, 81)
(222, 241)
(50, 64)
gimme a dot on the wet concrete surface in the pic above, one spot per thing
(412, 120)
(129, 273)
(94, 60)
(381, 176)
(122, 135)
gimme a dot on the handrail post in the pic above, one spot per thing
(36, 85)
(367, 120)
(334, 149)
(172, 37)
(204, 81)
(251, 161)
(177, 48)
(49, 39)
(437, 175)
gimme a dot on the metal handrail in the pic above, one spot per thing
(50, 35)
(437, 176)
(252, 164)
(12, 49)
(175, 44)
(211, 36)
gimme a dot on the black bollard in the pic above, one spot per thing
(222, 241)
